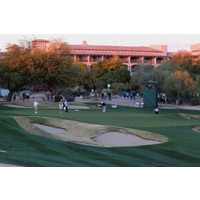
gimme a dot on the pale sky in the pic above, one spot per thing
(175, 42)
(120, 23)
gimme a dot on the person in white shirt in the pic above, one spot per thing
(36, 106)
(61, 106)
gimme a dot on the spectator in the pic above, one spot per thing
(24, 96)
(14, 96)
(48, 95)
(127, 95)
(27, 95)
(102, 95)
(109, 96)
(131, 95)
(124, 94)
(105, 95)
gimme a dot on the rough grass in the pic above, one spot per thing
(192, 117)
(79, 132)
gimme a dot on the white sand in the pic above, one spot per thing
(123, 139)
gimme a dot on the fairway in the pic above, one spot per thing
(22, 146)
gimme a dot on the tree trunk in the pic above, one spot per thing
(177, 102)
(9, 97)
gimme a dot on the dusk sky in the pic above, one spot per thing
(143, 23)
(175, 42)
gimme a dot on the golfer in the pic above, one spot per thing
(103, 104)
(156, 110)
(36, 106)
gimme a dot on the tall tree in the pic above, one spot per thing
(178, 84)
(26, 66)
(183, 59)
(85, 79)
(120, 75)
(56, 66)
(142, 73)
(102, 67)
(14, 69)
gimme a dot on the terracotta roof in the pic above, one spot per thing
(114, 50)
(40, 40)
(196, 50)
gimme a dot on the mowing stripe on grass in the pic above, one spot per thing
(117, 155)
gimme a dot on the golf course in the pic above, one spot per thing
(173, 136)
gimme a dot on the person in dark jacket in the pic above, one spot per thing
(65, 106)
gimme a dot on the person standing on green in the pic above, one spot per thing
(103, 104)
(35, 104)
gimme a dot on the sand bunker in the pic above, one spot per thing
(107, 139)
(123, 139)
(50, 129)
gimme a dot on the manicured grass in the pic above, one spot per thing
(27, 149)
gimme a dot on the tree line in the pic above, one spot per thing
(56, 69)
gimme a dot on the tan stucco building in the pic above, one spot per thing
(131, 56)
(195, 51)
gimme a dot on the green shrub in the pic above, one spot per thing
(194, 102)
(57, 98)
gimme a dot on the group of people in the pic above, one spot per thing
(105, 95)
(26, 95)
(63, 106)
(129, 95)
(49, 95)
